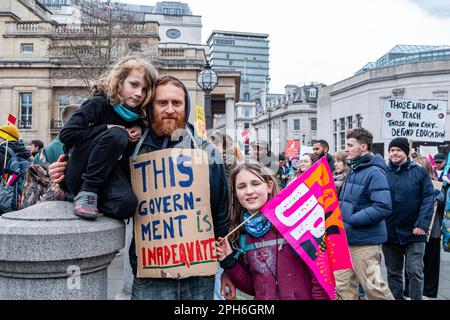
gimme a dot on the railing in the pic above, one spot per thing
(54, 7)
(27, 27)
(25, 124)
(173, 18)
(171, 53)
(55, 124)
(104, 29)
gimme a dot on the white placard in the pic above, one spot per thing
(416, 120)
(427, 150)
(305, 149)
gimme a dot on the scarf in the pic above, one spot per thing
(398, 167)
(258, 226)
(125, 113)
(355, 163)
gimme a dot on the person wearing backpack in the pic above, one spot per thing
(9, 135)
(15, 159)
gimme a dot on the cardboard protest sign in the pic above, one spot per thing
(416, 120)
(292, 148)
(200, 122)
(308, 216)
(173, 225)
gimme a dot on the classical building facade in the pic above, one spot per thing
(409, 72)
(241, 129)
(292, 116)
(38, 72)
(38, 78)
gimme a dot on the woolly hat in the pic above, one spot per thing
(9, 133)
(401, 143)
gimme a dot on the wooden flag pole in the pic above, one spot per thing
(239, 226)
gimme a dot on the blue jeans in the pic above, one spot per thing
(217, 284)
(394, 256)
(193, 288)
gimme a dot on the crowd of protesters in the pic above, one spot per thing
(389, 208)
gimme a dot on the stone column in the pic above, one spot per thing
(230, 116)
(48, 253)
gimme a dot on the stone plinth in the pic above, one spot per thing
(46, 252)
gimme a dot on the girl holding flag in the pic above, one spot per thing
(263, 264)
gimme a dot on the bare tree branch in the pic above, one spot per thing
(107, 32)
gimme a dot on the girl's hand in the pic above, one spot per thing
(134, 134)
(223, 249)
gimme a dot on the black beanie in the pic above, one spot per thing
(401, 143)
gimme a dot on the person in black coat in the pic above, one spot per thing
(97, 138)
(412, 195)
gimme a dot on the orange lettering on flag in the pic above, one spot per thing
(319, 175)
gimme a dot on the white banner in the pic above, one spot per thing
(416, 120)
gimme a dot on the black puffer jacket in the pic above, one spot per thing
(412, 195)
(366, 203)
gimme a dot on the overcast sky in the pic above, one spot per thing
(326, 40)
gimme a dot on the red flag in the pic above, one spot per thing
(11, 119)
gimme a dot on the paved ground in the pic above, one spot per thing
(115, 273)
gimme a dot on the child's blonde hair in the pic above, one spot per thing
(111, 82)
(236, 211)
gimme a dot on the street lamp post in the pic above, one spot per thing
(269, 111)
(207, 81)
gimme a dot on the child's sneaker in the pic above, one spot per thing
(86, 205)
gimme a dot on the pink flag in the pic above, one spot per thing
(308, 216)
(431, 159)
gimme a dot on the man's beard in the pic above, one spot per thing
(166, 129)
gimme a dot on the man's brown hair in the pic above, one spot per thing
(362, 135)
(163, 80)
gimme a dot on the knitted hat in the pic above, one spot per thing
(9, 133)
(401, 143)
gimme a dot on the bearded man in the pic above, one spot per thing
(169, 128)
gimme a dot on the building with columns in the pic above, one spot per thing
(241, 128)
(177, 24)
(296, 107)
(292, 116)
(409, 72)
